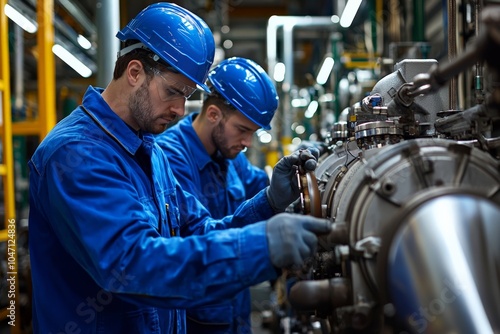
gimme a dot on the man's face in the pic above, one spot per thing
(159, 101)
(233, 134)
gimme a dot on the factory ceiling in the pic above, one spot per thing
(247, 21)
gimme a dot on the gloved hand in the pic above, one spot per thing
(307, 144)
(292, 238)
(284, 188)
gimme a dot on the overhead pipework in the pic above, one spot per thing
(288, 25)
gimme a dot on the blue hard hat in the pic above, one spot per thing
(177, 36)
(247, 87)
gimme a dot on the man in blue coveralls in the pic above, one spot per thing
(205, 153)
(116, 245)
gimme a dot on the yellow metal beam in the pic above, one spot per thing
(8, 163)
(46, 67)
(27, 128)
(8, 154)
(4, 236)
(360, 60)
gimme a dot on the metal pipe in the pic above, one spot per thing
(18, 66)
(324, 295)
(289, 24)
(108, 23)
(478, 80)
(452, 50)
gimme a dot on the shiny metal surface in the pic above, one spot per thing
(444, 266)
(379, 128)
(413, 194)
(309, 195)
(366, 191)
(339, 131)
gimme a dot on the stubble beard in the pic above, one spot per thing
(220, 141)
(142, 110)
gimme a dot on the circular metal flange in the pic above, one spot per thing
(310, 196)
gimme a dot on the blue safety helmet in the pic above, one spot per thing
(177, 36)
(247, 87)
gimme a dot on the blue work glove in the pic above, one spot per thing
(284, 189)
(292, 238)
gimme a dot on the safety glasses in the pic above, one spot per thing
(170, 89)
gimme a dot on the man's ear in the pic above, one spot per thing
(214, 114)
(135, 73)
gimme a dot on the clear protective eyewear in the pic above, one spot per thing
(172, 90)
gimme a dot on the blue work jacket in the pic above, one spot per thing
(109, 227)
(221, 186)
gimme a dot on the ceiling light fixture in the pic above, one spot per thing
(325, 70)
(350, 10)
(71, 60)
(24, 22)
(279, 72)
(311, 109)
(84, 42)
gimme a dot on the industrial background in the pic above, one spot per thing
(323, 62)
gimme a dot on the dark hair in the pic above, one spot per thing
(215, 98)
(144, 55)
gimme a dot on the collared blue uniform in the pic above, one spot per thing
(104, 209)
(221, 185)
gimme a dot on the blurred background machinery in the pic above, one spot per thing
(400, 96)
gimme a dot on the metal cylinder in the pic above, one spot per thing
(339, 131)
(443, 266)
(322, 295)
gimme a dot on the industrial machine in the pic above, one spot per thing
(412, 188)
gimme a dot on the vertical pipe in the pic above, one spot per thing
(287, 85)
(379, 11)
(336, 39)
(478, 82)
(373, 25)
(289, 23)
(452, 50)
(108, 23)
(271, 44)
(18, 65)
(273, 25)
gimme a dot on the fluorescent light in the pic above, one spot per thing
(20, 19)
(300, 102)
(300, 129)
(311, 109)
(227, 44)
(350, 10)
(296, 141)
(279, 72)
(265, 138)
(325, 70)
(71, 60)
(84, 42)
